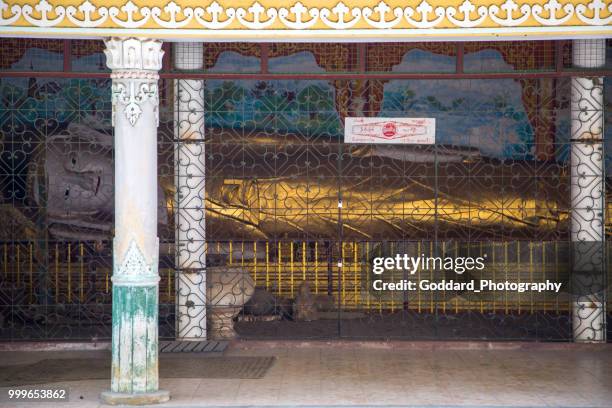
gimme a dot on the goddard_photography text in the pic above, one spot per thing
(459, 265)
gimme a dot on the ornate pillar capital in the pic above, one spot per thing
(135, 63)
(141, 54)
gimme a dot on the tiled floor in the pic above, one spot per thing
(328, 375)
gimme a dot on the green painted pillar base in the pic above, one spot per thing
(135, 344)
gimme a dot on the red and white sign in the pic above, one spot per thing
(390, 130)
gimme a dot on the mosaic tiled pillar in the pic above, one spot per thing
(587, 194)
(189, 170)
(134, 376)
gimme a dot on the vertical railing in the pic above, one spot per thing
(72, 278)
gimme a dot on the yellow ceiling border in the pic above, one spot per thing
(309, 19)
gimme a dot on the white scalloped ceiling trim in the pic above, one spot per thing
(299, 17)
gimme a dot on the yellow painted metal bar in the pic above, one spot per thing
(255, 262)
(267, 265)
(545, 306)
(231, 252)
(392, 251)
(31, 275)
(81, 271)
(304, 261)
(279, 268)
(431, 296)
(481, 300)
(506, 272)
(493, 269)
(557, 275)
(531, 276)
(69, 274)
(57, 273)
(367, 274)
(341, 271)
(291, 266)
(444, 290)
(242, 254)
(518, 275)
(18, 266)
(456, 295)
(419, 278)
(316, 267)
(356, 271)
(380, 297)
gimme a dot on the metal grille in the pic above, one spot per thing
(317, 57)
(57, 209)
(496, 56)
(417, 57)
(31, 54)
(87, 56)
(229, 52)
(496, 182)
(567, 55)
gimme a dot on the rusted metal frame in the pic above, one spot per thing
(264, 52)
(166, 65)
(330, 76)
(459, 58)
(67, 56)
(559, 56)
(362, 57)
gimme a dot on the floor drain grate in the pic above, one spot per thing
(208, 346)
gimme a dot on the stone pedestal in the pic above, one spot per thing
(229, 288)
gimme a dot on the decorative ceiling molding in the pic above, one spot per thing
(101, 17)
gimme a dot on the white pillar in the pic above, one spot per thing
(587, 192)
(134, 375)
(189, 170)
